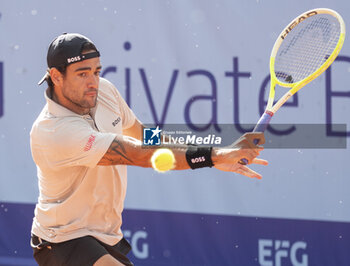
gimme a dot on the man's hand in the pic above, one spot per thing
(244, 147)
(242, 169)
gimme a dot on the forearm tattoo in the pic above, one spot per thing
(117, 154)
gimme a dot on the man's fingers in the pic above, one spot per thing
(241, 169)
(244, 170)
(260, 148)
(260, 161)
(253, 136)
(249, 155)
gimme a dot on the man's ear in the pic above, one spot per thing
(56, 76)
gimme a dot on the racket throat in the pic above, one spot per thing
(272, 92)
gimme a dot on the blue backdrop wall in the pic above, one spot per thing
(170, 59)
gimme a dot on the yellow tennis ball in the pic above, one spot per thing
(163, 160)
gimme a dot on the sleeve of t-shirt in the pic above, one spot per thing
(71, 142)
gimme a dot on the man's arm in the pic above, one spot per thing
(129, 151)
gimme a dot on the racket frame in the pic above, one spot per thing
(294, 87)
(298, 85)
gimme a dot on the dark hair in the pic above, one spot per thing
(62, 69)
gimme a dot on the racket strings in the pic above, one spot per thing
(306, 48)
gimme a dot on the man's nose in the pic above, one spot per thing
(93, 81)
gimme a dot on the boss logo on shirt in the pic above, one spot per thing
(116, 121)
(91, 141)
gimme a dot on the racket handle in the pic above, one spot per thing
(263, 123)
(260, 127)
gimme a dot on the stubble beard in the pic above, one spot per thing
(80, 102)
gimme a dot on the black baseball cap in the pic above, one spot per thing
(66, 49)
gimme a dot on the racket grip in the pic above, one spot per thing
(260, 127)
(263, 123)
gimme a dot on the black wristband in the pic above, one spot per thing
(199, 157)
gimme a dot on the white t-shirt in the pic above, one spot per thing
(78, 197)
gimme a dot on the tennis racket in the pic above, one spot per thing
(302, 52)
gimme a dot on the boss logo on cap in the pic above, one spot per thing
(73, 59)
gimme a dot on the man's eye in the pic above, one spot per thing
(82, 74)
(97, 73)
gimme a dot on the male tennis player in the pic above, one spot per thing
(81, 143)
